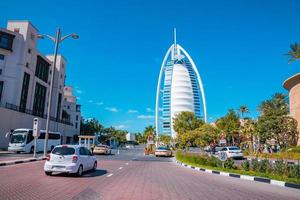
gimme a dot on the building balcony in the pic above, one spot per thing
(31, 112)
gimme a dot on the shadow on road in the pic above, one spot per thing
(98, 172)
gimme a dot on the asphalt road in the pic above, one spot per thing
(131, 175)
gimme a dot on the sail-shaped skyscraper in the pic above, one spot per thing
(179, 89)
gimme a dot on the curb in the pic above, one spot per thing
(14, 162)
(245, 177)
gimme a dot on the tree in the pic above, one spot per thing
(90, 127)
(206, 135)
(248, 133)
(294, 53)
(149, 130)
(186, 121)
(273, 122)
(229, 125)
(184, 124)
(243, 109)
(139, 138)
(277, 105)
(165, 139)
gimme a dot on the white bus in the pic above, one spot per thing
(22, 140)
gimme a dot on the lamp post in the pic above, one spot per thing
(57, 40)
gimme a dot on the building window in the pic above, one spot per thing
(76, 117)
(76, 125)
(2, 57)
(39, 100)
(58, 106)
(32, 36)
(24, 92)
(68, 107)
(29, 51)
(6, 41)
(0, 71)
(42, 69)
(27, 65)
(1, 89)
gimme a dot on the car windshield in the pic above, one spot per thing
(102, 146)
(233, 148)
(18, 137)
(163, 148)
(63, 151)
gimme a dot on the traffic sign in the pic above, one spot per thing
(36, 127)
(222, 156)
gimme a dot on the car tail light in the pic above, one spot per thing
(74, 159)
(48, 157)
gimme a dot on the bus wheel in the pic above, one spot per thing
(32, 149)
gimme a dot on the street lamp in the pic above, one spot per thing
(57, 40)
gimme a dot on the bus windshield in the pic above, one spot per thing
(18, 137)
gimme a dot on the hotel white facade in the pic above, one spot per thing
(179, 89)
(24, 85)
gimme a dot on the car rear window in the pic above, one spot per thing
(234, 148)
(63, 151)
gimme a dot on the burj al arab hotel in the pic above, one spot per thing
(179, 89)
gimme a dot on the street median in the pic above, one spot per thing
(210, 164)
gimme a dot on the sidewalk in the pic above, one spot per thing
(18, 161)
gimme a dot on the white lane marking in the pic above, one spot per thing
(120, 167)
(127, 163)
(109, 175)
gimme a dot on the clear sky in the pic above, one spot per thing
(238, 47)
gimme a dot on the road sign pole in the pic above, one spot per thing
(34, 151)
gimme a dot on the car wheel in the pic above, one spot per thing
(80, 171)
(48, 173)
(95, 166)
(32, 149)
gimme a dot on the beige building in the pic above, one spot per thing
(292, 84)
(25, 82)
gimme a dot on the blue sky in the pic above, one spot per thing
(238, 47)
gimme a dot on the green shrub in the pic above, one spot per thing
(213, 162)
(229, 164)
(280, 167)
(254, 164)
(293, 171)
(265, 166)
(246, 165)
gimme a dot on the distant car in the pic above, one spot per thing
(163, 151)
(102, 149)
(232, 152)
(129, 146)
(73, 159)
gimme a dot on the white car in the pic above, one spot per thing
(232, 152)
(73, 159)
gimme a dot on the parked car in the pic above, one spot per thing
(102, 149)
(163, 151)
(73, 159)
(232, 152)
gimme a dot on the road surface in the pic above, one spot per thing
(131, 175)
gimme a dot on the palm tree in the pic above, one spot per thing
(243, 109)
(294, 53)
